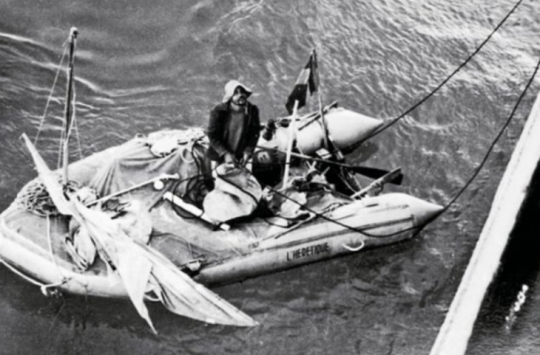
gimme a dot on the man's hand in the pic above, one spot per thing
(228, 158)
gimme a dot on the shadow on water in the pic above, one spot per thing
(505, 303)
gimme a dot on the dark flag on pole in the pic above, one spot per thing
(308, 79)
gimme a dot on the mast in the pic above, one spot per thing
(290, 143)
(70, 107)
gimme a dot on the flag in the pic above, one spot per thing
(307, 80)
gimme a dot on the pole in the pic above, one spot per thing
(195, 211)
(69, 108)
(323, 121)
(292, 128)
(129, 189)
(379, 183)
(317, 87)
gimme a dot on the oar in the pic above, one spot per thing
(373, 173)
(379, 183)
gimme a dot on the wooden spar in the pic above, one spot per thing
(379, 183)
(195, 211)
(292, 133)
(135, 187)
(70, 107)
(327, 138)
(323, 121)
(454, 334)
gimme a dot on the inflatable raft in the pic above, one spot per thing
(330, 223)
(135, 220)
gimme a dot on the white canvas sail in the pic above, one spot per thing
(141, 268)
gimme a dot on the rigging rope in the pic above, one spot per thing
(75, 123)
(43, 287)
(452, 201)
(492, 145)
(433, 92)
(50, 94)
(446, 207)
(305, 207)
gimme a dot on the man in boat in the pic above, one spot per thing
(233, 132)
(234, 127)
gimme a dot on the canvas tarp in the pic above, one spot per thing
(137, 165)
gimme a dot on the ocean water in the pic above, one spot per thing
(143, 66)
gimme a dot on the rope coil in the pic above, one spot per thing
(35, 198)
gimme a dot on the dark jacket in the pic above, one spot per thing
(218, 130)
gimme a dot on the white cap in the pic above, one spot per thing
(231, 86)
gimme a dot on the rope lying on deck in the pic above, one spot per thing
(35, 198)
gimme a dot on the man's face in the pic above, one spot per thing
(240, 97)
